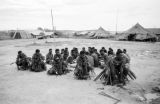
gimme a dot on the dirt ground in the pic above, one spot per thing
(25, 87)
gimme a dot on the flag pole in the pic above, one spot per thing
(52, 22)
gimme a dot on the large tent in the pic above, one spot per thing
(101, 33)
(137, 33)
(19, 34)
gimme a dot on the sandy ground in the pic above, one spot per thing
(25, 87)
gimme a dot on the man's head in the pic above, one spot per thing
(83, 49)
(57, 51)
(62, 51)
(19, 52)
(66, 48)
(87, 53)
(119, 52)
(50, 50)
(110, 53)
(102, 52)
(95, 50)
(124, 51)
(103, 47)
(89, 49)
(110, 49)
(82, 53)
(37, 51)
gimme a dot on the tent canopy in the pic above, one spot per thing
(19, 34)
(137, 32)
(101, 33)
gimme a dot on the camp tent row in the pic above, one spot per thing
(94, 34)
(137, 33)
(28, 34)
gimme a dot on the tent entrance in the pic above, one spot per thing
(18, 35)
(131, 37)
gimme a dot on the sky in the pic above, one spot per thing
(79, 14)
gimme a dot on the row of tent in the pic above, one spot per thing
(95, 34)
(135, 33)
(24, 34)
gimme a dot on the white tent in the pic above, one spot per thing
(101, 33)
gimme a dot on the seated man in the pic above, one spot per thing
(66, 54)
(59, 67)
(104, 59)
(119, 64)
(95, 57)
(76, 54)
(38, 64)
(83, 49)
(111, 52)
(49, 57)
(62, 51)
(126, 56)
(82, 68)
(22, 61)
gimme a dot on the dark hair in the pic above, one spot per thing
(119, 51)
(82, 53)
(50, 49)
(124, 50)
(37, 50)
(103, 48)
(110, 52)
(19, 52)
(110, 49)
(87, 53)
(57, 50)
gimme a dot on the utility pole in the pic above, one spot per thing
(52, 22)
(116, 21)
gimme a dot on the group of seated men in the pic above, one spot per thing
(85, 61)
